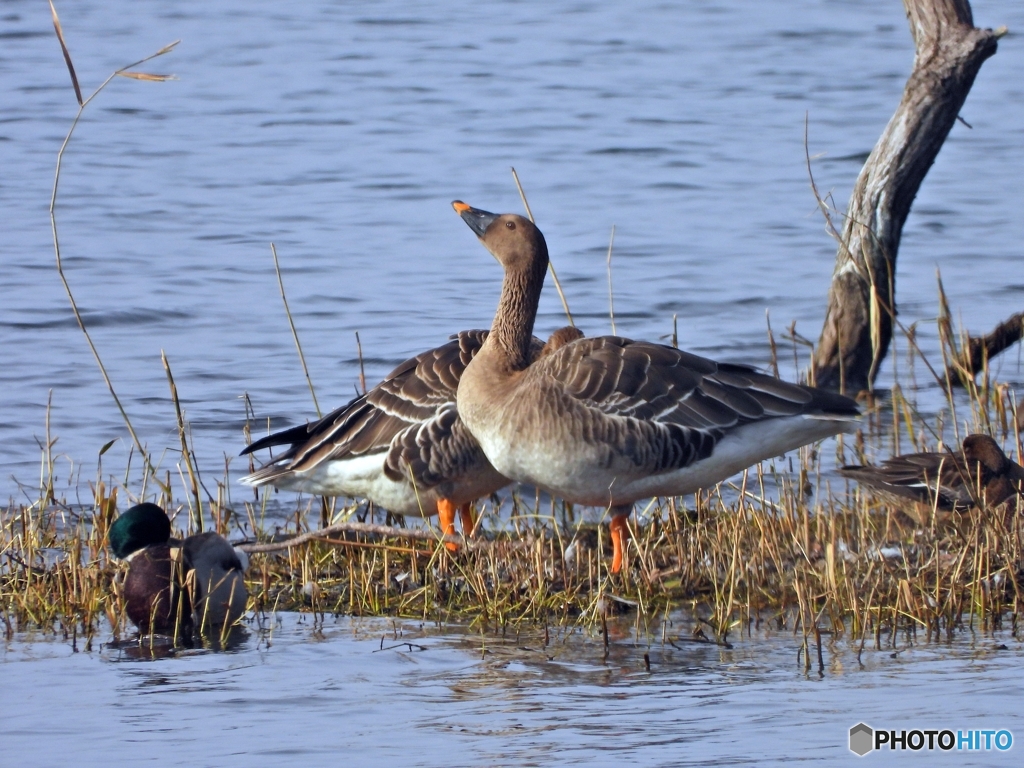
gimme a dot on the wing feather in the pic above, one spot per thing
(411, 415)
(666, 408)
(932, 478)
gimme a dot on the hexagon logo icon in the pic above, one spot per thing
(861, 739)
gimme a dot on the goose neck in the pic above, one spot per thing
(512, 330)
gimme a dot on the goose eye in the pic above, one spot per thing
(510, 224)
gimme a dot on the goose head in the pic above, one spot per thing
(513, 240)
(520, 249)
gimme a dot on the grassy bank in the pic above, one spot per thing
(788, 543)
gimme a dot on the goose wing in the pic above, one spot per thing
(410, 415)
(440, 448)
(414, 394)
(434, 451)
(653, 382)
(671, 407)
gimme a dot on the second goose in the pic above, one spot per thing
(401, 444)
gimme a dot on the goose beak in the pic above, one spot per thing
(477, 220)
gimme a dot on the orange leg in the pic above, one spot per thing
(619, 528)
(466, 518)
(446, 519)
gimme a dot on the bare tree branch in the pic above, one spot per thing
(976, 353)
(861, 303)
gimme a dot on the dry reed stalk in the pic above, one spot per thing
(82, 104)
(551, 264)
(295, 333)
(362, 369)
(196, 512)
(611, 297)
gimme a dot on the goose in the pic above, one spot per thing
(607, 421)
(175, 586)
(979, 474)
(401, 444)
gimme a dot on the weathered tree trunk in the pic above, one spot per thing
(861, 301)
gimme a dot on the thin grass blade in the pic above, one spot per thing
(67, 54)
(147, 76)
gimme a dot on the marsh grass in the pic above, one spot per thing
(785, 544)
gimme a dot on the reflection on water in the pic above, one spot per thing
(402, 693)
(155, 647)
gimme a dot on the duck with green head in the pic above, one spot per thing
(216, 580)
(174, 586)
(154, 597)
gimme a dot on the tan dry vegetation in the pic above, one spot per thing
(784, 545)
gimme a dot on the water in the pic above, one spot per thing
(341, 132)
(454, 699)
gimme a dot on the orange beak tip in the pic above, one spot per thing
(460, 207)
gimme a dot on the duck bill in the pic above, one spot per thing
(477, 220)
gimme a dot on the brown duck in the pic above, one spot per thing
(949, 481)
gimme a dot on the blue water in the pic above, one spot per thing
(341, 132)
(451, 699)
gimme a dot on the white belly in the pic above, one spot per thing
(363, 477)
(590, 476)
(741, 449)
(360, 477)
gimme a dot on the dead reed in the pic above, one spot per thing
(783, 545)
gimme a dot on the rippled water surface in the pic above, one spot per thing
(341, 131)
(319, 697)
